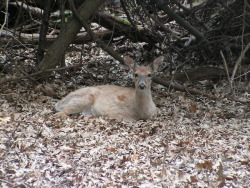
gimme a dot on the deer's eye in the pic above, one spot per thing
(149, 75)
(136, 75)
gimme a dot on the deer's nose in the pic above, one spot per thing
(142, 85)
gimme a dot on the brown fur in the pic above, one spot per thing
(129, 104)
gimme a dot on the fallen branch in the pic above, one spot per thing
(193, 91)
(206, 73)
(25, 38)
(3, 81)
(182, 88)
(33, 10)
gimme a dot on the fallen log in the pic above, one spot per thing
(25, 38)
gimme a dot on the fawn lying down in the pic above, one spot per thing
(122, 103)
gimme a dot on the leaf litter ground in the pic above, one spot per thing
(194, 142)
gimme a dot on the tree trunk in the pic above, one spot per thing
(58, 48)
(43, 31)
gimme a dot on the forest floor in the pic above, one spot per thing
(194, 142)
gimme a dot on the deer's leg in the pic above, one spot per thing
(75, 103)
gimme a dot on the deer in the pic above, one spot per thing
(116, 102)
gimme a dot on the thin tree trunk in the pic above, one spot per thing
(43, 31)
(62, 15)
(58, 48)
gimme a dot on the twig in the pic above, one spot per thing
(243, 23)
(191, 12)
(242, 56)
(5, 16)
(34, 10)
(127, 14)
(165, 29)
(182, 88)
(193, 91)
(227, 72)
(2, 180)
(242, 74)
(99, 42)
(163, 6)
(166, 150)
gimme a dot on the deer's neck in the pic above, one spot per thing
(144, 105)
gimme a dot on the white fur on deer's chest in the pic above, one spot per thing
(144, 105)
(146, 111)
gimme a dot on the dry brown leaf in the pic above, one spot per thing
(111, 149)
(193, 108)
(206, 165)
(46, 89)
(193, 179)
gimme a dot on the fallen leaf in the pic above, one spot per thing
(5, 119)
(205, 165)
(193, 108)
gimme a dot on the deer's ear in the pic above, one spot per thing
(129, 62)
(157, 63)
